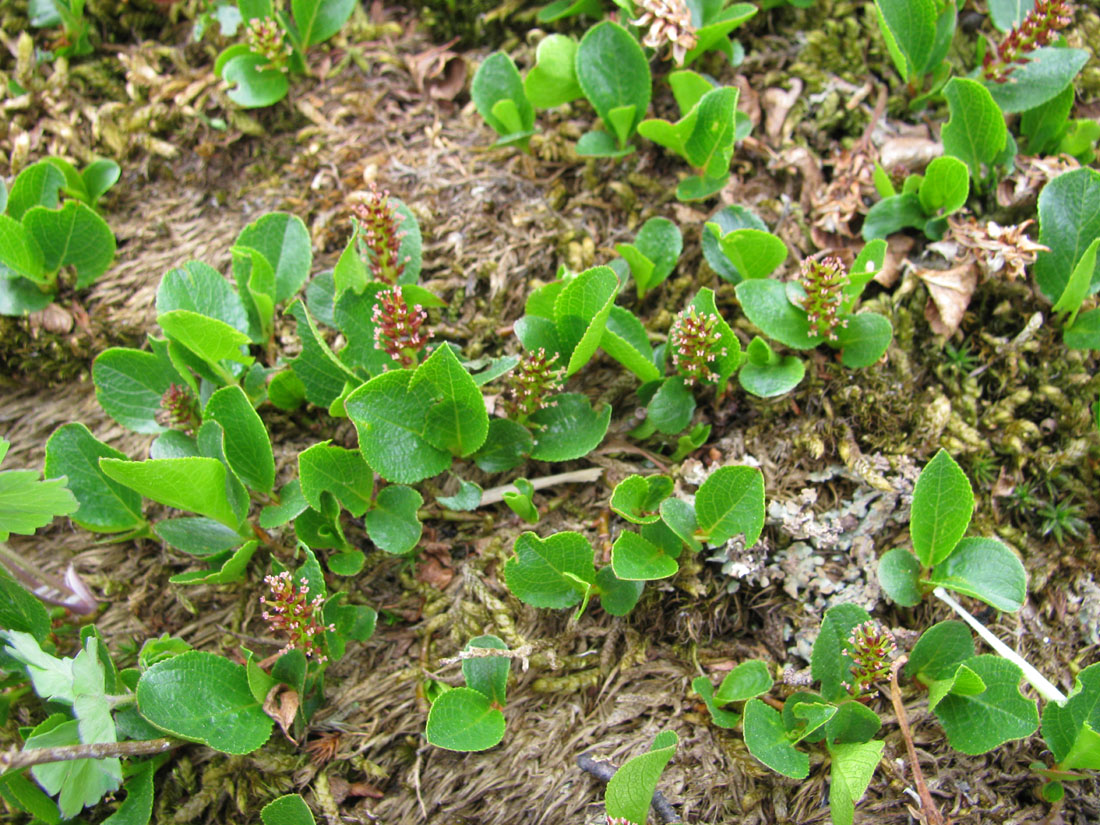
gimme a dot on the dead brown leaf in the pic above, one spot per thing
(777, 104)
(281, 705)
(54, 318)
(436, 567)
(438, 71)
(897, 247)
(949, 293)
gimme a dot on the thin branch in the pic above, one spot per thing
(496, 494)
(15, 760)
(1034, 677)
(927, 803)
(603, 771)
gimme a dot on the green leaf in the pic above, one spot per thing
(829, 662)
(766, 374)
(745, 681)
(129, 385)
(318, 20)
(284, 241)
(630, 790)
(21, 611)
(864, 340)
(727, 220)
(939, 652)
(505, 446)
(137, 807)
(197, 536)
(210, 441)
(496, 80)
(709, 146)
(753, 253)
(105, 505)
(247, 444)
(1042, 126)
(613, 73)
(680, 518)
(1070, 729)
(975, 133)
(766, 739)
(19, 252)
(853, 765)
(463, 719)
(287, 810)
(210, 339)
(24, 795)
(1079, 284)
(327, 468)
(321, 373)
(27, 502)
(805, 716)
(20, 296)
(488, 675)
(946, 186)
(552, 81)
(72, 236)
(637, 499)
(544, 572)
(569, 428)
(1048, 71)
(456, 420)
(202, 697)
(1069, 221)
(852, 723)
(727, 719)
(253, 83)
(567, 8)
(37, 185)
(291, 504)
(625, 339)
(99, 176)
(942, 505)
(1006, 14)
(985, 569)
(914, 26)
(79, 782)
(672, 406)
(765, 302)
(617, 596)
(977, 723)
(581, 310)
(899, 574)
(731, 502)
(519, 501)
(714, 34)
(633, 558)
(392, 523)
(467, 498)
(200, 288)
(390, 413)
(654, 253)
(893, 214)
(193, 484)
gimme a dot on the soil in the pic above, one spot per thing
(496, 222)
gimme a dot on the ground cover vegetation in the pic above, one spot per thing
(241, 551)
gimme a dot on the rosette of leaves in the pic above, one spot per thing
(1069, 226)
(782, 311)
(654, 253)
(977, 699)
(923, 203)
(835, 715)
(1072, 733)
(258, 70)
(704, 353)
(983, 568)
(565, 322)
(209, 329)
(1048, 129)
(471, 718)
(705, 134)
(49, 225)
(729, 503)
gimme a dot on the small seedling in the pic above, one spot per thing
(519, 501)
(471, 718)
(654, 253)
(924, 202)
(631, 790)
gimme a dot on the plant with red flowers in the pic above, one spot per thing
(399, 329)
(1037, 29)
(531, 383)
(290, 612)
(380, 231)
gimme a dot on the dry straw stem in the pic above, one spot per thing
(496, 494)
(931, 812)
(15, 760)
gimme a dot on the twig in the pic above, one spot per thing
(1034, 677)
(927, 803)
(603, 771)
(496, 494)
(14, 760)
